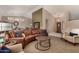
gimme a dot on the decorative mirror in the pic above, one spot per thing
(16, 23)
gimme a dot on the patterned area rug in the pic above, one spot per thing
(57, 46)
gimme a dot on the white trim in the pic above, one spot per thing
(55, 34)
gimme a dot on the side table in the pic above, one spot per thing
(43, 43)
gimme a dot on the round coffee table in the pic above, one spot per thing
(43, 43)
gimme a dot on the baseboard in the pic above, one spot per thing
(55, 34)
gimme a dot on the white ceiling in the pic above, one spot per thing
(26, 10)
(16, 10)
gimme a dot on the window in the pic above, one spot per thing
(5, 26)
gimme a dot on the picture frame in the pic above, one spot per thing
(36, 25)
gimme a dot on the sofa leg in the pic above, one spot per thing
(74, 44)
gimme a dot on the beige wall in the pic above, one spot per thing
(51, 23)
(37, 16)
(70, 11)
(72, 24)
(42, 15)
(48, 14)
(26, 23)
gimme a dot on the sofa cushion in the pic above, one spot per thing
(27, 32)
(18, 34)
(12, 34)
(72, 34)
(36, 31)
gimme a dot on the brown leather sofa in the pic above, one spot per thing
(30, 35)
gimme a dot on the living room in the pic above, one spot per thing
(57, 24)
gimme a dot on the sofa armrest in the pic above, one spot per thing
(16, 38)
